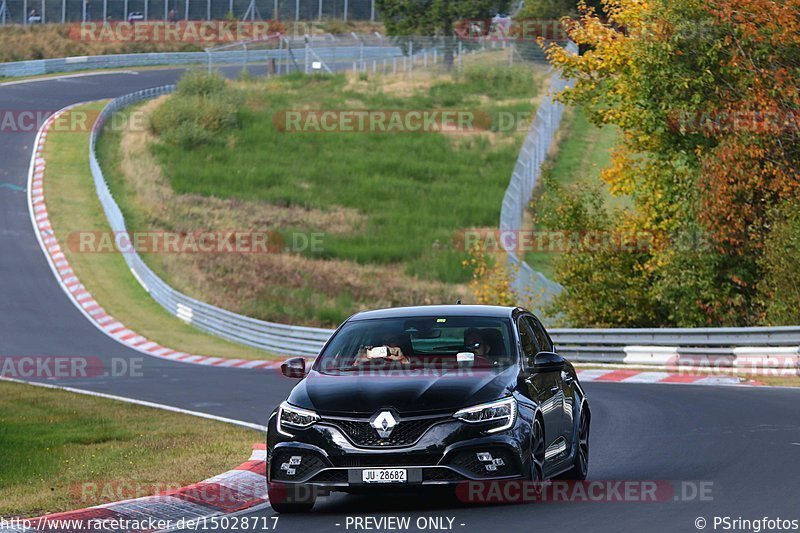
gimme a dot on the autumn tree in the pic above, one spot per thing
(705, 93)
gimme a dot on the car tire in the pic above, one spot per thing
(536, 472)
(580, 464)
(288, 499)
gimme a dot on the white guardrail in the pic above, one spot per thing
(630, 346)
(277, 338)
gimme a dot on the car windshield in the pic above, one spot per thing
(420, 342)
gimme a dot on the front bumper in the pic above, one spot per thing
(446, 453)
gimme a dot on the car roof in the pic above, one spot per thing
(437, 310)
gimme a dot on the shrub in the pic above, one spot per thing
(200, 83)
(779, 289)
(203, 107)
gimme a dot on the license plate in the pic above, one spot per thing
(384, 475)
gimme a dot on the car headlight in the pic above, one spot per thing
(504, 412)
(290, 416)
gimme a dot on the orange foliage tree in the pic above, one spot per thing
(706, 94)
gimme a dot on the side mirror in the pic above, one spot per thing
(294, 367)
(546, 362)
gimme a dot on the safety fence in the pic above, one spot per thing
(64, 11)
(281, 54)
(527, 170)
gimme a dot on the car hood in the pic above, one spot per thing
(347, 394)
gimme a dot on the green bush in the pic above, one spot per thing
(201, 83)
(779, 289)
(697, 286)
(203, 107)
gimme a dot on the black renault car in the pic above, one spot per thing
(430, 395)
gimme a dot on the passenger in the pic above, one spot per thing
(393, 342)
(475, 342)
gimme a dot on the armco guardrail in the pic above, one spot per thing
(234, 57)
(277, 338)
(592, 345)
(286, 54)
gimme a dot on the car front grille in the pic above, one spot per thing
(330, 476)
(405, 433)
(385, 460)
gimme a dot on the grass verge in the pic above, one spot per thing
(61, 451)
(387, 208)
(73, 207)
(581, 152)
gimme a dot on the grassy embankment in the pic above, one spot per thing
(61, 451)
(386, 206)
(581, 152)
(74, 207)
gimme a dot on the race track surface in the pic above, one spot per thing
(743, 443)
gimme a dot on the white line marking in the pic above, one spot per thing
(68, 76)
(143, 403)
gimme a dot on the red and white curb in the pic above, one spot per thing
(78, 294)
(639, 376)
(241, 489)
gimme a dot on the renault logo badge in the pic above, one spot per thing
(384, 423)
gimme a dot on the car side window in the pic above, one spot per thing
(530, 345)
(542, 339)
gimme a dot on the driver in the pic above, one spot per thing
(393, 343)
(475, 342)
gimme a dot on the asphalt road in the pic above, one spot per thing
(741, 446)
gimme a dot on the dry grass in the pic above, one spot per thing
(20, 43)
(274, 286)
(73, 206)
(155, 200)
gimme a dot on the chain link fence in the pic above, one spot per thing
(369, 53)
(535, 286)
(64, 11)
